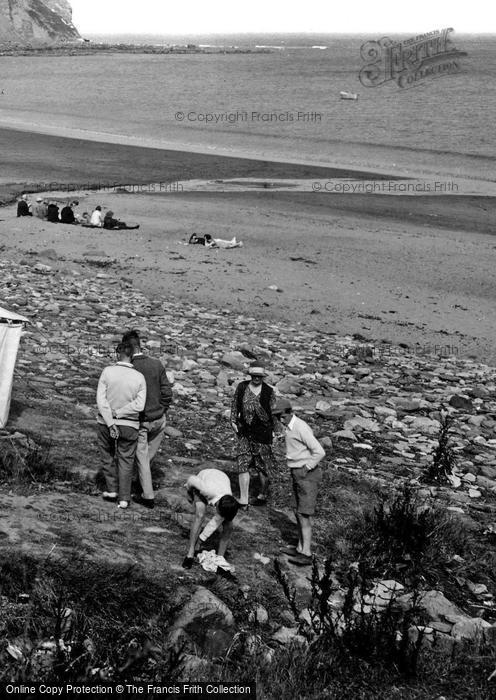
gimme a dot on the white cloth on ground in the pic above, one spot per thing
(210, 561)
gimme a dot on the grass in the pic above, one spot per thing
(32, 465)
(113, 619)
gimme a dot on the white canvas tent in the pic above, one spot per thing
(11, 326)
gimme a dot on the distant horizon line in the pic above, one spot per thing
(237, 33)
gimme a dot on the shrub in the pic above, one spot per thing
(444, 458)
(406, 539)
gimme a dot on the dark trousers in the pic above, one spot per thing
(118, 471)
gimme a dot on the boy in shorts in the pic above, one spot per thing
(303, 454)
(210, 487)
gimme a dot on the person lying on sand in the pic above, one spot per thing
(200, 240)
(210, 487)
(210, 242)
(111, 223)
(222, 243)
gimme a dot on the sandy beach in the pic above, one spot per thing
(416, 270)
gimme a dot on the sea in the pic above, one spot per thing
(282, 104)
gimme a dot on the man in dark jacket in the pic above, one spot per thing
(23, 206)
(152, 419)
(67, 214)
(53, 213)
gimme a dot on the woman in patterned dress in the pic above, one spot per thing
(251, 419)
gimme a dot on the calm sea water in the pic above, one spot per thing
(444, 125)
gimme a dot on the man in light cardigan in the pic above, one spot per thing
(303, 454)
(120, 397)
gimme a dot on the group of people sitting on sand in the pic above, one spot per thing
(49, 210)
(133, 397)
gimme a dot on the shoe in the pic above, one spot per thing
(109, 496)
(188, 562)
(244, 507)
(147, 502)
(289, 549)
(259, 501)
(300, 560)
(123, 504)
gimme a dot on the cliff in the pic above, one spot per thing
(25, 22)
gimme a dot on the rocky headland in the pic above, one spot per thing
(36, 22)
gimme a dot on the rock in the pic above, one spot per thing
(477, 588)
(205, 620)
(383, 411)
(172, 432)
(461, 402)
(406, 405)
(474, 493)
(188, 365)
(305, 617)
(235, 360)
(345, 435)
(259, 615)
(435, 605)
(288, 635)
(469, 628)
(326, 442)
(289, 386)
(383, 592)
(322, 406)
(42, 269)
(361, 372)
(488, 472)
(366, 424)
(422, 424)
(423, 633)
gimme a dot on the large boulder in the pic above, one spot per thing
(205, 624)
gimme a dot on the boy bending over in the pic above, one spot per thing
(210, 487)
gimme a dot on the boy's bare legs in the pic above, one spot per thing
(227, 529)
(244, 488)
(195, 527)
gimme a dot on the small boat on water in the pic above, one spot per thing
(348, 95)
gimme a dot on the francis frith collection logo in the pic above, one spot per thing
(410, 61)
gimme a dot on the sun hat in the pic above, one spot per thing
(39, 199)
(282, 406)
(257, 371)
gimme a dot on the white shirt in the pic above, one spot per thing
(212, 484)
(96, 218)
(302, 447)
